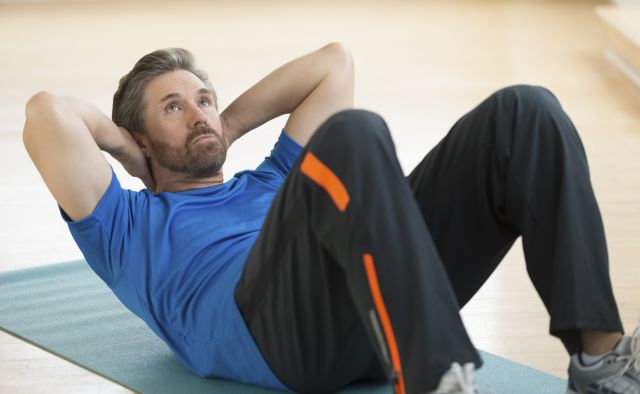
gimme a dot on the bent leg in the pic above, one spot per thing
(515, 166)
(344, 251)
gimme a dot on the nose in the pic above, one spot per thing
(197, 116)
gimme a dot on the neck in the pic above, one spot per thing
(169, 181)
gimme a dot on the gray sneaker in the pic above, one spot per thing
(616, 373)
(457, 380)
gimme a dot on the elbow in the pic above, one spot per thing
(42, 106)
(340, 53)
(39, 103)
(341, 62)
(339, 48)
(39, 106)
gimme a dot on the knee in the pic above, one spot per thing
(535, 118)
(357, 142)
(354, 128)
(526, 98)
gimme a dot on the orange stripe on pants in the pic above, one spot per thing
(323, 176)
(386, 323)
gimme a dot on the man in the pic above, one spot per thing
(326, 266)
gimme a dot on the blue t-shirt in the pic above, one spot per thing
(174, 260)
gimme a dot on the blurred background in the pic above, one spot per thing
(420, 64)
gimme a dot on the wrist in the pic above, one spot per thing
(230, 128)
(117, 143)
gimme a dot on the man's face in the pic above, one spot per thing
(182, 125)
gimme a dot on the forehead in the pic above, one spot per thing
(179, 81)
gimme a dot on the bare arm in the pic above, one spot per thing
(310, 88)
(63, 137)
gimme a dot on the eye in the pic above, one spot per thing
(171, 108)
(204, 102)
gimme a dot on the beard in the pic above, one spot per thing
(202, 160)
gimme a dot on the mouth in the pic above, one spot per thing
(202, 138)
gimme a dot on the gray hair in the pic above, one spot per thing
(128, 101)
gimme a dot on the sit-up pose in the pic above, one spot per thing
(325, 265)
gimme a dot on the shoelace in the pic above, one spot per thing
(633, 359)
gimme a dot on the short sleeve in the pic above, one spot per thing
(283, 155)
(101, 235)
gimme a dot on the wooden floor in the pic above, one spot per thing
(623, 37)
(421, 64)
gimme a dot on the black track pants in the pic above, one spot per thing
(359, 272)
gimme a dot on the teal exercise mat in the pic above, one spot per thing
(67, 310)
